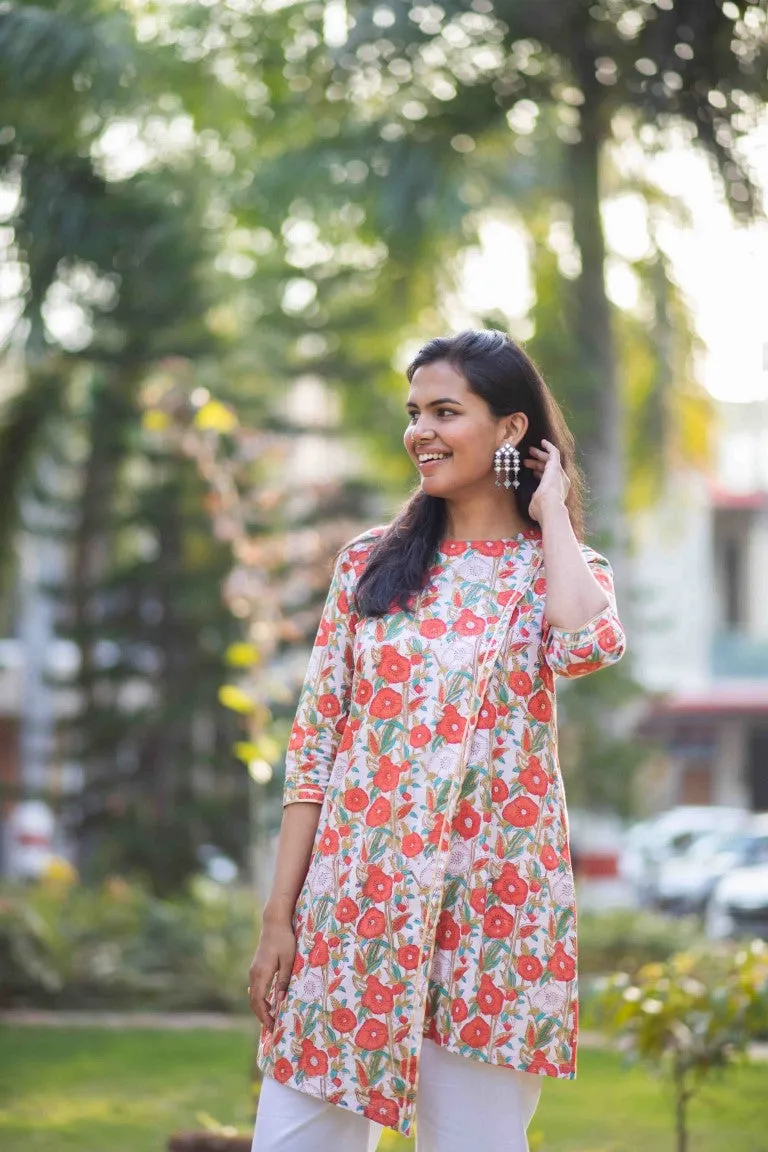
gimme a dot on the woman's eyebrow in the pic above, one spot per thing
(434, 403)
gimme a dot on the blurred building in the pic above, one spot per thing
(700, 635)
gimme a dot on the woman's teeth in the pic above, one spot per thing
(433, 456)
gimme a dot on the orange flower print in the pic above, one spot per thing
(468, 624)
(448, 934)
(346, 910)
(343, 1020)
(533, 778)
(378, 813)
(371, 1035)
(510, 886)
(412, 844)
(548, 857)
(298, 735)
(522, 812)
(318, 955)
(371, 924)
(490, 1000)
(283, 1070)
(378, 886)
(355, 799)
(381, 1109)
(387, 777)
(476, 1032)
(487, 715)
(529, 967)
(437, 829)
(547, 677)
(499, 790)
(541, 1065)
(377, 996)
(419, 736)
(328, 705)
(431, 629)
(520, 683)
(497, 923)
(408, 957)
(466, 821)
(386, 704)
(454, 547)
(393, 667)
(451, 725)
(364, 692)
(459, 1010)
(607, 639)
(313, 1062)
(561, 965)
(540, 707)
(329, 842)
(477, 900)
(490, 547)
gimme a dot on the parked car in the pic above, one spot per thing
(651, 843)
(739, 903)
(686, 882)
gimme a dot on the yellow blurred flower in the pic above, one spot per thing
(236, 699)
(153, 420)
(215, 417)
(59, 872)
(242, 655)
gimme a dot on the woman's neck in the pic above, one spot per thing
(483, 518)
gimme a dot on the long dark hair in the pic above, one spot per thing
(499, 372)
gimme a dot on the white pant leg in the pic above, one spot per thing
(291, 1121)
(463, 1103)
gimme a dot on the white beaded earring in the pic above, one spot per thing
(505, 459)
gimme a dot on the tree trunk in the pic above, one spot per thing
(682, 1096)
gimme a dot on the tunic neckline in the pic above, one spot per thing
(486, 542)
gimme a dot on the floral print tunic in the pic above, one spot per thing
(439, 898)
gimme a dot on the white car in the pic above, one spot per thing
(650, 844)
(739, 904)
(686, 882)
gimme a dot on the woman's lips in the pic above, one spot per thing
(430, 465)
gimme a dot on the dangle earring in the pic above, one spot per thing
(505, 459)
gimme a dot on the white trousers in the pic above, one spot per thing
(460, 1104)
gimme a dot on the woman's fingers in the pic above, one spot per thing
(283, 976)
(261, 976)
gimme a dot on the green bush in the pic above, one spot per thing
(625, 939)
(119, 947)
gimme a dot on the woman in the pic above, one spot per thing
(418, 951)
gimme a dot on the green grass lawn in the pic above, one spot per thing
(96, 1090)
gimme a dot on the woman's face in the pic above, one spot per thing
(447, 419)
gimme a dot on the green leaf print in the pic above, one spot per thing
(563, 924)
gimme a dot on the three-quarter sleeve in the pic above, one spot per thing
(598, 643)
(323, 705)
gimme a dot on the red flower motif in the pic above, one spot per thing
(431, 629)
(468, 624)
(477, 899)
(377, 996)
(451, 725)
(490, 547)
(346, 740)
(533, 778)
(520, 683)
(547, 676)
(561, 965)
(371, 924)
(386, 704)
(282, 1070)
(297, 738)
(346, 910)
(371, 1035)
(529, 967)
(329, 842)
(412, 844)
(510, 886)
(499, 790)
(419, 736)
(408, 956)
(387, 776)
(466, 821)
(522, 812)
(487, 715)
(378, 813)
(343, 1020)
(378, 886)
(381, 1109)
(355, 799)
(541, 1065)
(328, 705)
(437, 829)
(490, 999)
(313, 1061)
(607, 639)
(393, 667)
(476, 1032)
(318, 955)
(497, 923)
(540, 707)
(459, 1010)
(453, 547)
(364, 692)
(448, 934)
(540, 586)
(548, 857)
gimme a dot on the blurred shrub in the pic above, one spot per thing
(119, 947)
(624, 939)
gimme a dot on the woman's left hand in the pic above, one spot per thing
(553, 486)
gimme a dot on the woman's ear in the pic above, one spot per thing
(516, 427)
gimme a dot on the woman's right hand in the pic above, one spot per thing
(273, 960)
